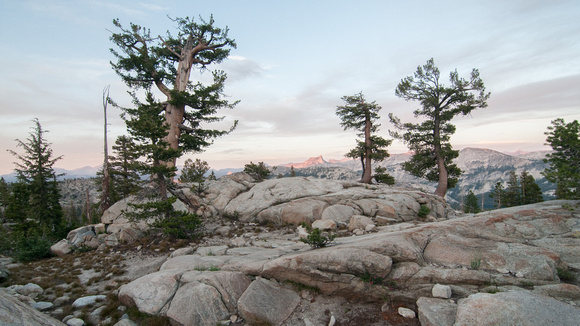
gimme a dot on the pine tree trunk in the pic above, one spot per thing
(442, 185)
(174, 114)
(367, 174)
(441, 189)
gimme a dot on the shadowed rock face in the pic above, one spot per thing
(508, 249)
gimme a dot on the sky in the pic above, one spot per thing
(293, 62)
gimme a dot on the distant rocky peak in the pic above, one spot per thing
(309, 162)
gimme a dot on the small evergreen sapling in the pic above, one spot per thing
(316, 238)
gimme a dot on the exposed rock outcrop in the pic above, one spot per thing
(502, 250)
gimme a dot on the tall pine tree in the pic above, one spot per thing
(498, 195)
(512, 192)
(429, 140)
(35, 171)
(362, 116)
(123, 175)
(531, 192)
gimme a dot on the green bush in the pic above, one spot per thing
(424, 211)
(175, 224)
(565, 274)
(32, 247)
(373, 279)
(381, 176)
(317, 239)
(180, 225)
(258, 171)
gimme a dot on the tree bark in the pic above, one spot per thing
(174, 114)
(442, 185)
(367, 173)
(441, 189)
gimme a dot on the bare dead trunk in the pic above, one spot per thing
(106, 194)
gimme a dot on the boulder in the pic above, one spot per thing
(341, 214)
(294, 212)
(123, 232)
(230, 285)
(436, 312)
(266, 303)
(207, 297)
(406, 312)
(42, 305)
(30, 290)
(441, 291)
(88, 300)
(359, 222)
(116, 213)
(61, 248)
(514, 308)
(151, 293)
(79, 235)
(324, 225)
(75, 322)
(14, 312)
(197, 304)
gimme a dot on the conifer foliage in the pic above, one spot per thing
(518, 191)
(471, 204)
(34, 204)
(166, 63)
(564, 169)
(122, 165)
(360, 115)
(36, 175)
(429, 140)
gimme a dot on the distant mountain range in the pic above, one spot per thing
(482, 169)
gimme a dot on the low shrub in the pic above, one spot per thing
(424, 211)
(373, 279)
(566, 275)
(179, 225)
(32, 247)
(316, 238)
(381, 176)
(475, 263)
